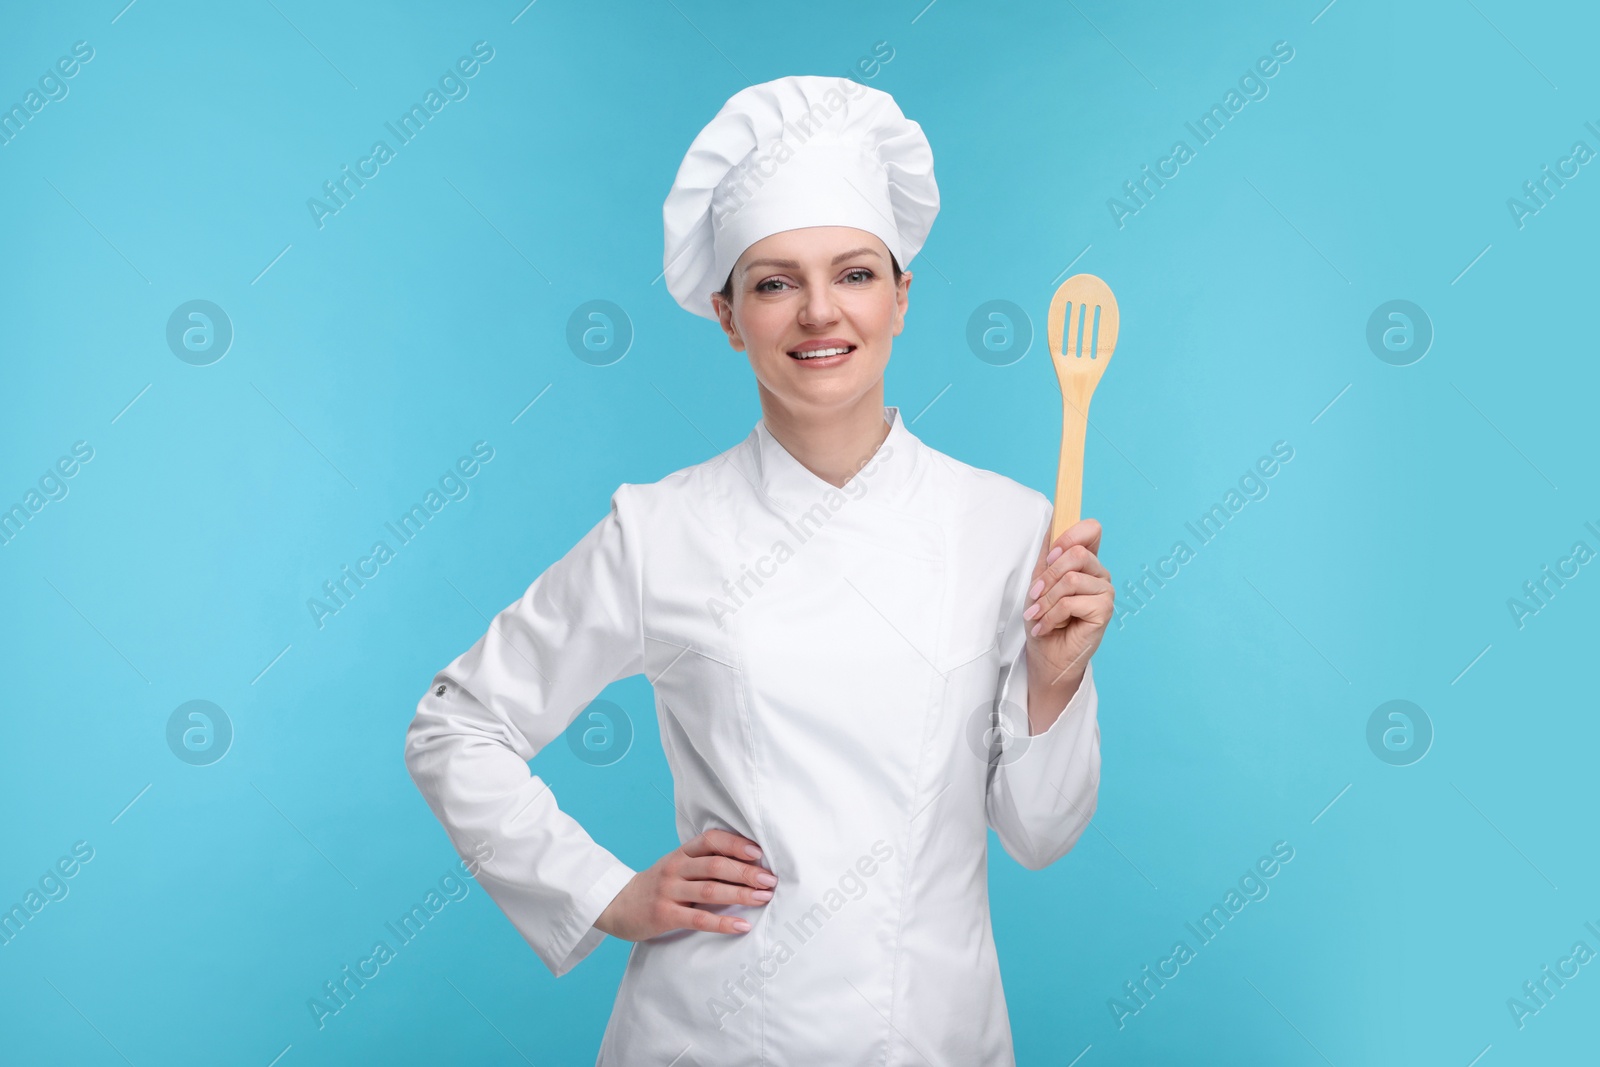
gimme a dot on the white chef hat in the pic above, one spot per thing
(798, 151)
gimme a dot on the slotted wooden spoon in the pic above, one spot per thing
(1080, 352)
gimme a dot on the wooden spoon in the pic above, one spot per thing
(1080, 352)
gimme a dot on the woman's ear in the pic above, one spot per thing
(901, 299)
(724, 311)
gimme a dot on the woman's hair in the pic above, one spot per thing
(727, 286)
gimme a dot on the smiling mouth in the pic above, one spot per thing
(822, 353)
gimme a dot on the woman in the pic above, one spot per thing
(863, 653)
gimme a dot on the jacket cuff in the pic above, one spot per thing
(574, 934)
(1085, 697)
(1043, 796)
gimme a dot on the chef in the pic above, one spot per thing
(864, 653)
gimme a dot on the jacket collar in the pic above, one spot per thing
(884, 478)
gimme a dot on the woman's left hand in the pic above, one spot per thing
(1070, 603)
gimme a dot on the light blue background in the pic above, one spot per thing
(429, 312)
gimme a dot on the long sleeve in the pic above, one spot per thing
(576, 629)
(1042, 789)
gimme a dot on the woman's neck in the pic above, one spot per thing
(833, 445)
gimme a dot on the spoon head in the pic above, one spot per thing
(1083, 331)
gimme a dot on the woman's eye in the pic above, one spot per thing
(866, 274)
(761, 285)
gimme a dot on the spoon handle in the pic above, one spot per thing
(1069, 474)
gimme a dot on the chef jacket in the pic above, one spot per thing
(839, 675)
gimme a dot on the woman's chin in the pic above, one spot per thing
(838, 387)
(821, 399)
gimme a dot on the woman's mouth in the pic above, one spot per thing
(823, 357)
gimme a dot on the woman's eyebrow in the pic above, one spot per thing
(790, 264)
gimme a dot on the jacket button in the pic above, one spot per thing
(439, 692)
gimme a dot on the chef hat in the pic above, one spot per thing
(799, 151)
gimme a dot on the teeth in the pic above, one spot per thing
(818, 353)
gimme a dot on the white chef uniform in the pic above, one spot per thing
(840, 676)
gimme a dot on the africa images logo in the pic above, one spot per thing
(452, 87)
(454, 484)
(813, 519)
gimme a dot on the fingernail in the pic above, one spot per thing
(1035, 630)
(1038, 587)
(753, 852)
(1031, 612)
(1055, 553)
(741, 925)
(766, 879)
(762, 894)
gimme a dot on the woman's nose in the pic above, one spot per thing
(819, 307)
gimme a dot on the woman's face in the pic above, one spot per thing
(815, 289)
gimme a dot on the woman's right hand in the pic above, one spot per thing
(712, 868)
